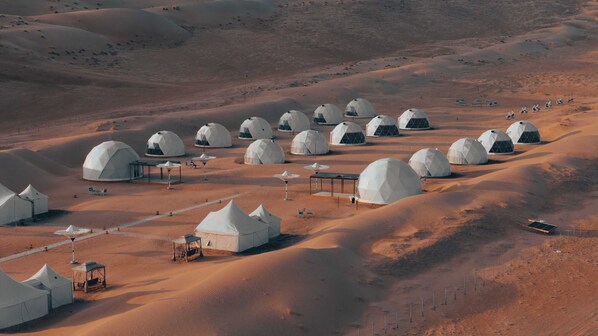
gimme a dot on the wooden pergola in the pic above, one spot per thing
(89, 276)
(153, 163)
(185, 247)
(342, 177)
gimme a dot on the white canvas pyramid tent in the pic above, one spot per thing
(328, 114)
(60, 288)
(20, 303)
(293, 121)
(523, 132)
(496, 142)
(39, 200)
(360, 108)
(387, 180)
(264, 151)
(414, 119)
(430, 162)
(381, 126)
(12, 207)
(230, 229)
(263, 215)
(164, 144)
(110, 161)
(309, 143)
(347, 133)
(213, 135)
(467, 151)
(255, 128)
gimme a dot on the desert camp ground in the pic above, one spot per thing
(345, 268)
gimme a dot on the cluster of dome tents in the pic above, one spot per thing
(110, 161)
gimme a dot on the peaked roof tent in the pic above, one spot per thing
(39, 200)
(61, 288)
(264, 215)
(19, 302)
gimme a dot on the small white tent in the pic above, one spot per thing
(381, 126)
(164, 144)
(230, 229)
(213, 135)
(263, 215)
(255, 128)
(264, 151)
(328, 114)
(293, 121)
(309, 143)
(39, 200)
(347, 133)
(360, 108)
(414, 119)
(467, 151)
(496, 142)
(523, 132)
(60, 288)
(430, 162)
(110, 161)
(387, 180)
(12, 207)
(20, 303)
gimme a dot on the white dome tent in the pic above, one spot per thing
(255, 128)
(359, 108)
(496, 142)
(523, 132)
(12, 207)
(110, 161)
(347, 133)
(414, 119)
(230, 229)
(263, 215)
(264, 151)
(387, 180)
(20, 303)
(39, 200)
(309, 143)
(60, 288)
(213, 135)
(328, 114)
(293, 121)
(467, 151)
(429, 162)
(164, 144)
(382, 126)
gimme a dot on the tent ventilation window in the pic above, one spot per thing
(245, 134)
(387, 130)
(156, 150)
(418, 123)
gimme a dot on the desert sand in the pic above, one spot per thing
(74, 74)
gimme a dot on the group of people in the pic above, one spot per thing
(536, 107)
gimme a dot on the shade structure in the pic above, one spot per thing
(360, 108)
(36, 198)
(293, 121)
(255, 128)
(467, 151)
(164, 144)
(496, 142)
(309, 143)
(430, 162)
(347, 133)
(231, 229)
(264, 151)
(523, 132)
(110, 161)
(213, 135)
(60, 288)
(12, 207)
(382, 126)
(20, 303)
(414, 119)
(328, 114)
(387, 180)
(264, 215)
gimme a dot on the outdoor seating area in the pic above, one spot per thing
(89, 276)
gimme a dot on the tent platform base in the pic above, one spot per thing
(327, 194)
(155, 180)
